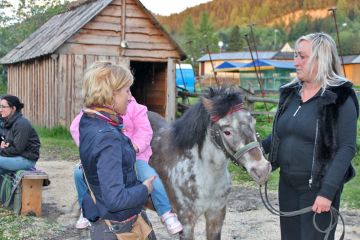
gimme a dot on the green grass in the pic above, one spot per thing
(57, 141)
(13, 227)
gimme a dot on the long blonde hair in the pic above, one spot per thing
(323, 52)
(101, 79)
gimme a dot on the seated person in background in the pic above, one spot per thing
(20, 144)
(137, 127)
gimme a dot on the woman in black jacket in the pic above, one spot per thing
(314, 137)
(20, 144)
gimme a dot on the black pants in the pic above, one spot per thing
(295, 194)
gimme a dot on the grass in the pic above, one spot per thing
(13, 227)
(57, 141)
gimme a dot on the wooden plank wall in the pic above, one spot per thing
(103, 35)
(34, 82)
(352, 73)
(50, 87)
(71, 71)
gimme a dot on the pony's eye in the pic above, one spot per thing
(227, 133)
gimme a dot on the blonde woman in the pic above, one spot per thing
(107, 155)
(314, 137)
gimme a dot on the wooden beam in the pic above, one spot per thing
(170, 91)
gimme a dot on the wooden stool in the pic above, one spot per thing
(31, 193)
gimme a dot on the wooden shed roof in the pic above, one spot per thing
(50, 36)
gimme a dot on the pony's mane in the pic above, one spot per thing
(190, 129)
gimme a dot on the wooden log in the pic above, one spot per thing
(261, 99)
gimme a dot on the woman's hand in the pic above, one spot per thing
(148, 183)
(321, 204)
(4, 144)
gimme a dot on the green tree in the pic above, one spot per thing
(207, 37)
(190, 40)
(236, 42)
(28, 17)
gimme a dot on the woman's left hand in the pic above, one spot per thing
(321, 204)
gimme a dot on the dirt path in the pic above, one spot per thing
(246, 218)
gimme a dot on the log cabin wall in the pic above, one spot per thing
(70, 75)
(35, 83)
(105, 32)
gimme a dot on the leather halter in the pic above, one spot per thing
(217, 139)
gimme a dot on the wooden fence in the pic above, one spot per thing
(249, 99)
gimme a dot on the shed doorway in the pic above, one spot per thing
(149, 86)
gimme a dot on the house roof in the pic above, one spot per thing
(50, 36)
(351, 59)
(237, 56)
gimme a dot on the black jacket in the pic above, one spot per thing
(325, 173)
(22, 138)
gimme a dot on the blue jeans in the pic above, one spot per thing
(15, 164)
(158, 196)
(143, 172)
(80, 183)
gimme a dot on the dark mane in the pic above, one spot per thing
(190, 129)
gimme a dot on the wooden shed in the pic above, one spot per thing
(46, 69)
(352, 68)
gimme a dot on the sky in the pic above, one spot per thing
(167, 7)
(162, 7)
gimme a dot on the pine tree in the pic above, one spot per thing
(236, 42)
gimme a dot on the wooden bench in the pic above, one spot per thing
(31, 192)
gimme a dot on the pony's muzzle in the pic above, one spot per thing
(261, 174)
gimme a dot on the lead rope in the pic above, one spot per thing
(334, 214)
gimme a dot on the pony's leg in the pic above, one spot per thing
(214, 222)
(188, 221)
(188, 232)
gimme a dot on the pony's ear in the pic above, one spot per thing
(208, 104)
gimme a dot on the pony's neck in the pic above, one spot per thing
(211, 154)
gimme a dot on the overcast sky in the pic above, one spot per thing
(162, 7)
(167, 7)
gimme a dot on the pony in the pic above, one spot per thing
(191, 157)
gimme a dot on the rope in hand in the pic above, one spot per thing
(334, 214)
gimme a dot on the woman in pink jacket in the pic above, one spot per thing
(137, 127)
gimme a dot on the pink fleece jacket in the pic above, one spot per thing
(137, 128)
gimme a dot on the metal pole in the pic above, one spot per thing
(333, 11)
(212, 65)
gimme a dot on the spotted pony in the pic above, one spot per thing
(191, 157)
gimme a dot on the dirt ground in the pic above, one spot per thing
(246, 217)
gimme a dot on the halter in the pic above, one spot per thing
(217, 139)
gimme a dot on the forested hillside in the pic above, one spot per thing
(229, 13)
(275, 23)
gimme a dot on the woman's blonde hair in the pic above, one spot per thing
(324, 52)
(101, 79)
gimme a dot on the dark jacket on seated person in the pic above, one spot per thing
(108, 159)
(22, 138)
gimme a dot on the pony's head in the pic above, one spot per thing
(233, 130)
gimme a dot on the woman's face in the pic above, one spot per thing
(5, 110)
(301, 62)
(121, 99)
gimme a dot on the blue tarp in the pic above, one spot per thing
(263, 64)
(271, 63)
(229, 66)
